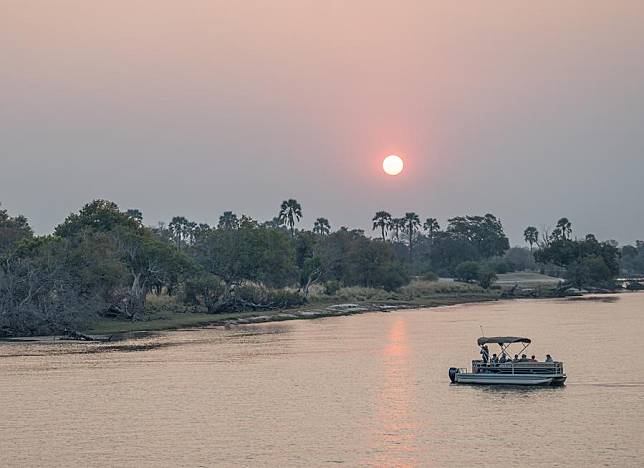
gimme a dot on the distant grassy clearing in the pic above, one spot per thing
(526, 277)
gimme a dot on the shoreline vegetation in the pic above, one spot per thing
(351, 301)
(104, 272)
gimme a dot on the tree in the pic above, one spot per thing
(135, 214)
(432, 227)
(563, 230)
(147, 258)
(228, 220)
(149, 262)
(574, 255)
(182, 230)
(468, 271)
(484, 232)
(290, 212)
(321, 226)
(98, 215)
(412, 224)
(12, 230)
(531, 236)
(397, 225)
(487, 277)
(382, 220)
(248, 253)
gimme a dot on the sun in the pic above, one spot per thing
(392, 165)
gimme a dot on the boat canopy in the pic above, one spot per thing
(502, 340)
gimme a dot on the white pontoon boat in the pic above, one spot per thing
(510, 372)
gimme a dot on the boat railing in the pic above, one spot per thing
(522, 367)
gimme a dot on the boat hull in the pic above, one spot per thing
(508, 379)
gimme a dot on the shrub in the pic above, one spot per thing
(331, 287)
(486, 278)
(430, 276)
(251, 295)
(393, 277)
(468, 271)
(206, 290)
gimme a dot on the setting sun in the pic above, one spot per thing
(392, 165)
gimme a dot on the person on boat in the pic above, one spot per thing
(549, 358)
(485, 353)
(524, 358)
(533, 358)
(503, 359)
(516, 358)
(495, 360)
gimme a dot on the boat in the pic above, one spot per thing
(510, 372)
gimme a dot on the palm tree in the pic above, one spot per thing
(290, 212)
(531, 236)
(321, 226)
(228, 220)
(412, 224)
(180, 228)
(383, 221)
(565, 226)
(397, 225)
(432, 227)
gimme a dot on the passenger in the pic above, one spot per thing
(494, 360)
(485, 353)
(503, 359)
(524, 358)
(516, 358)
(549, 358)
(533, 358)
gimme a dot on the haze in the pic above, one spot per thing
(530, 111)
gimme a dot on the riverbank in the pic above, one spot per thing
(162, 314)
(177, 320)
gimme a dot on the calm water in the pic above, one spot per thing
(368, 390)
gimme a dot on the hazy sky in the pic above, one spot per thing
(528, 110)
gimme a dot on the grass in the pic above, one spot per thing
(525, 278)
(165, 313)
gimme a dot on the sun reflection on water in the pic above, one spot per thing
(395, 442)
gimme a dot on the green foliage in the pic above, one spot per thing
(105, 262)
(484, 232)
(228, 220)
(468, 271)
(430, 276)
(431, 226)
(248, 253)
(331, 287)
(531, 235)
(99, 215)
(321, 226)
(204, 289)
(12, 230)
(466, 238)
(587, 262)
(589, 271)
(519, 259)
(632, 259)
(486, 278)
(49, 283)
(252, 295)
(382, 220)
(290, 213)
(353, 259)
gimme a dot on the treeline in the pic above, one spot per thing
(104, 262)
(586, 261)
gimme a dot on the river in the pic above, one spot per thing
(362, 390)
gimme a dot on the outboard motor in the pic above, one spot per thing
(452, 373)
